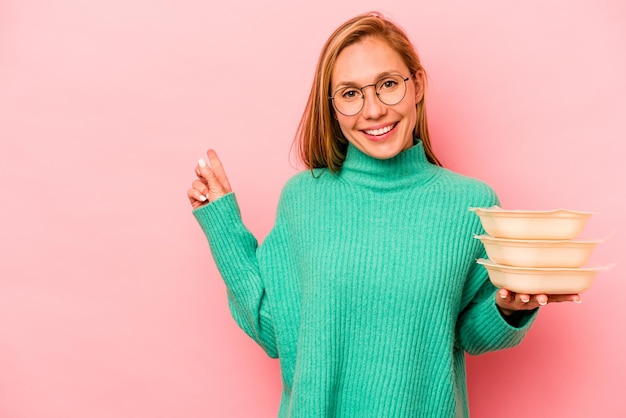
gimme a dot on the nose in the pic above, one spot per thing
(373, 108)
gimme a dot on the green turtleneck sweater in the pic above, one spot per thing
(367, 287)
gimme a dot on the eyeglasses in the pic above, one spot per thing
(390, 90)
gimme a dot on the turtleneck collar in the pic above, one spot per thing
(410, 168)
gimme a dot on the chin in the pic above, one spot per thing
(384, 152)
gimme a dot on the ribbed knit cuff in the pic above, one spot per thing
(519, 319)
(487, 330)
(233, 248)
(218, 215)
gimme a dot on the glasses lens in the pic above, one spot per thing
(391, 89)
(348, 100)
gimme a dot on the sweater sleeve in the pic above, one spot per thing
(481, 327)
(234, 250)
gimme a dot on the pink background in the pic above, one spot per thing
(110, 305)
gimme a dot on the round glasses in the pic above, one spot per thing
(390, 90)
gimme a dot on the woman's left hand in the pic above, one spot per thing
(510, 302)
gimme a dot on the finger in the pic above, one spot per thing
(504, 300)
(206, 175)
(218, 169)
(212, 186)
(202, 170)
(201, 187)
(196, 198)
(542, 300)
(564, 298)
(198, 172)
(505, 295)
(523, 297)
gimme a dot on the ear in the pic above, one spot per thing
(418, 79)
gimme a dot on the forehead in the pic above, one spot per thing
(363, 61)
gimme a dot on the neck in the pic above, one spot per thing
(407, 169)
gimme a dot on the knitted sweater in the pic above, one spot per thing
(367, 287)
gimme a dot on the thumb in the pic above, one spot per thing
(209, 177)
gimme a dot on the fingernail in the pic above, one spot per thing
(203, 198)
(542, 302)
(578, 301)
(201, 162)
(502, 295)
(524, 300)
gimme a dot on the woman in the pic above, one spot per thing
(367, 287)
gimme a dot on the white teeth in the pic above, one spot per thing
(381, 131)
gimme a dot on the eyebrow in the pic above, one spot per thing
(378, 77)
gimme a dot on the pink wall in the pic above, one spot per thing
(110, 305)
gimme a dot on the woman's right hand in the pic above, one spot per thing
(211, 183)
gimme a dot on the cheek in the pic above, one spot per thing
(411, 118)
(345, 123)
(410, 114)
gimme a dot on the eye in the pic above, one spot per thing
(350, 94)
(388, 84)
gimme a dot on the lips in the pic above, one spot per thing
(380, 131)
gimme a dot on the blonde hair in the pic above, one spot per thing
(319, 138)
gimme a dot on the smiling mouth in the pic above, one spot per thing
(381, 131)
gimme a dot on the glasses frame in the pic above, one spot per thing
(332, 98)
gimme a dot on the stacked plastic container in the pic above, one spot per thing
(536, 252)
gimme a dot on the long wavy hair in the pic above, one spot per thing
(319, 138)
